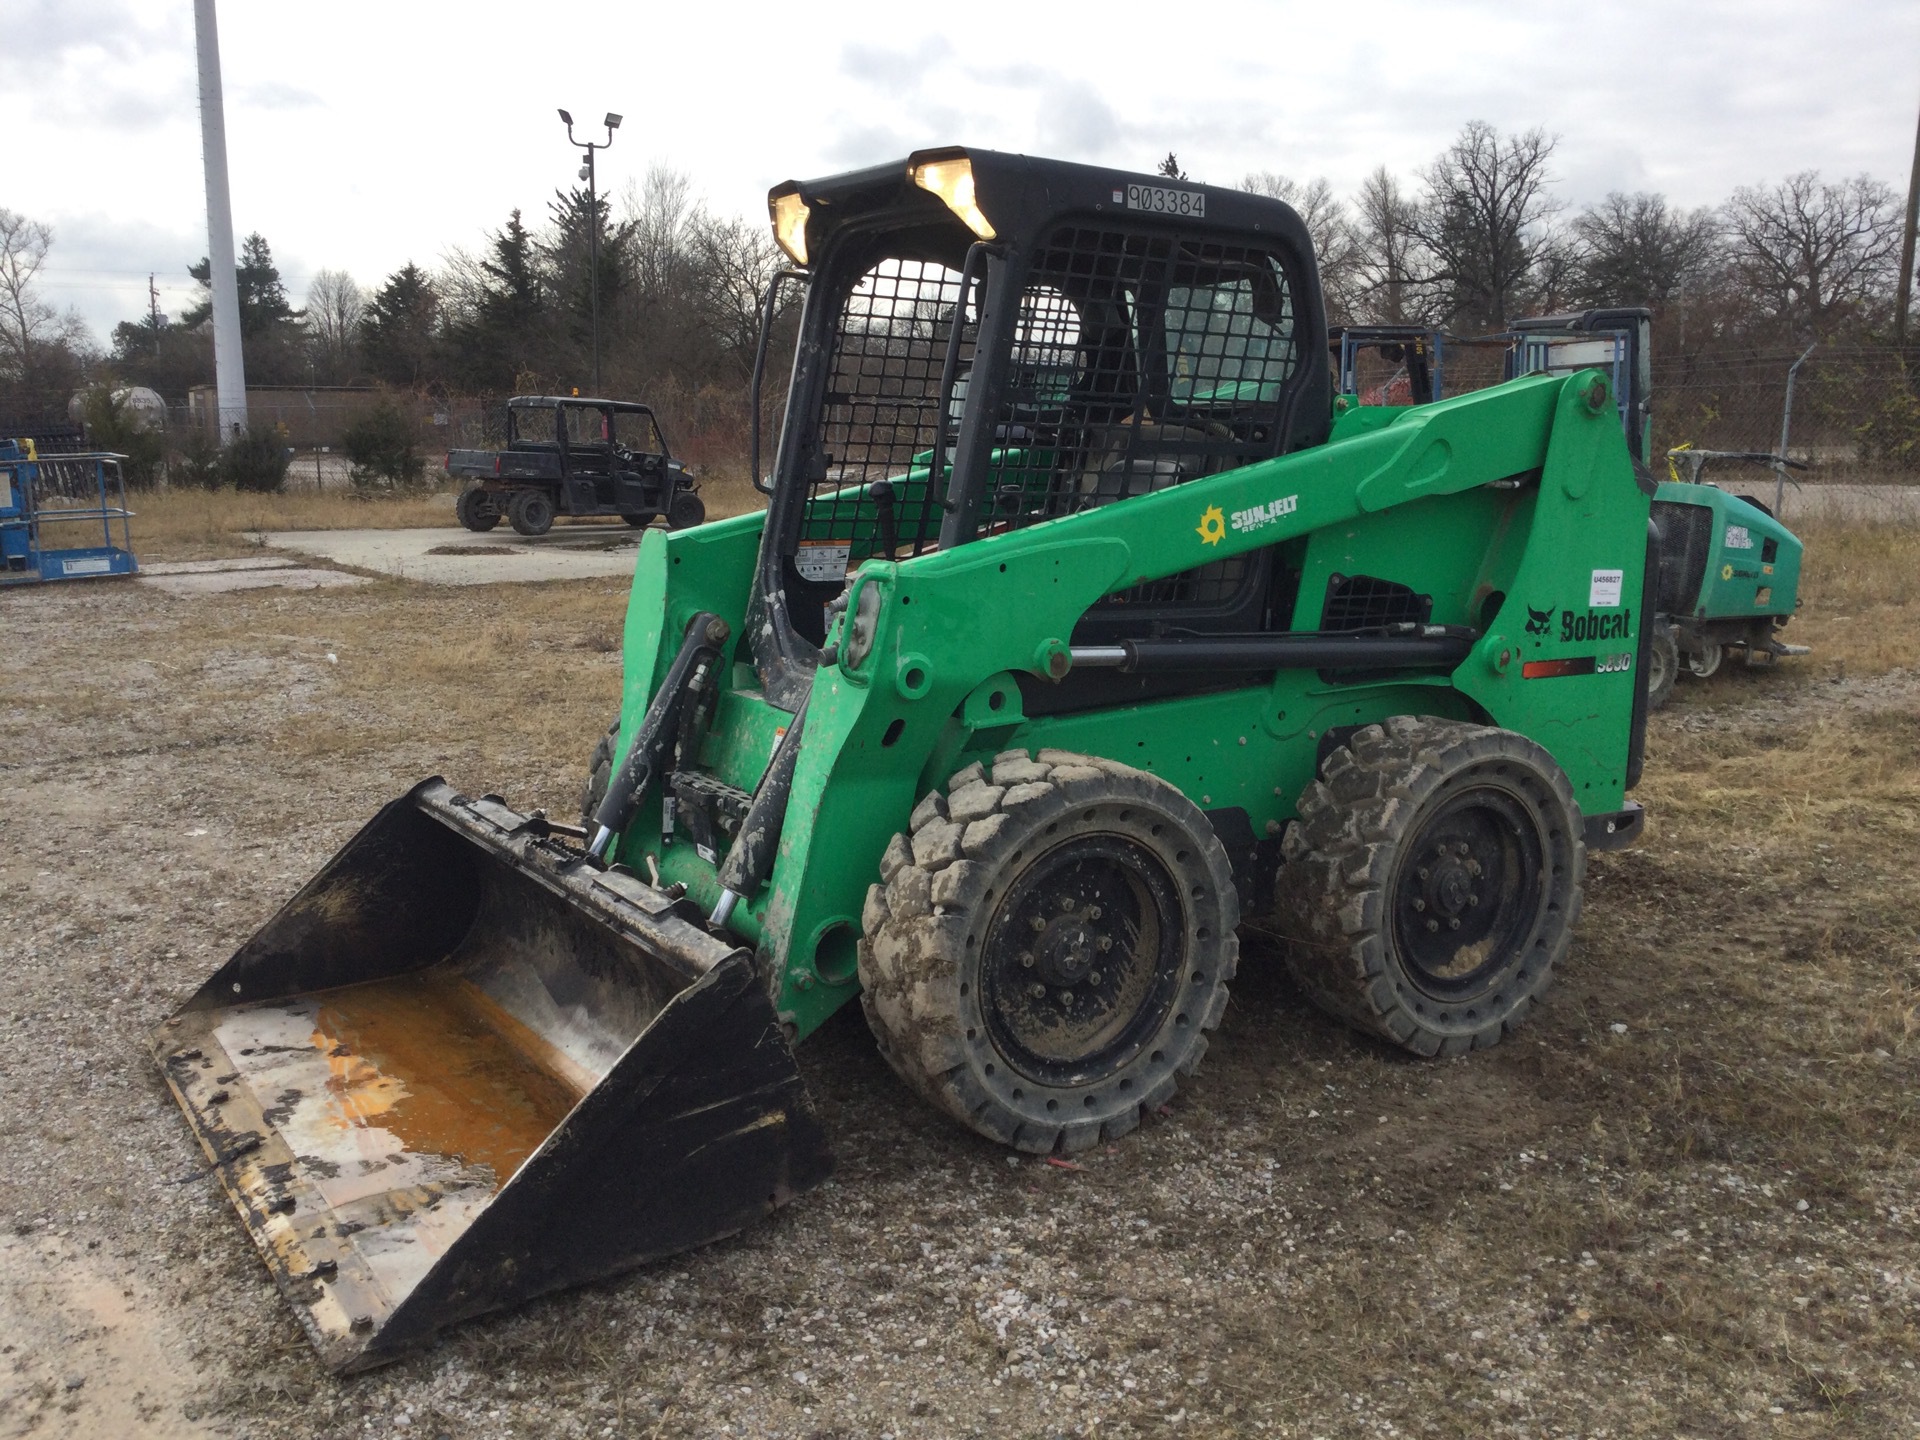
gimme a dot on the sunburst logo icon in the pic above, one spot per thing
(1213, 525)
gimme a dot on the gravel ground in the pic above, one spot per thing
(1605, 1227)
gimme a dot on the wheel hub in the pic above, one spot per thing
(1081, 958)
(1070, 948)
(1467, 894)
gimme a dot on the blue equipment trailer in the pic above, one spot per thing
(51, 510)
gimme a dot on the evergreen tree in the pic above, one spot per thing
(399, 334)
(503, 332)
(263, 298)
(569, 253)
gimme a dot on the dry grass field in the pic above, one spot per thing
(1684, 1201)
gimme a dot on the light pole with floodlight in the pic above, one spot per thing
(612, 123)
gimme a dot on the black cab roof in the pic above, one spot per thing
(1020, 194)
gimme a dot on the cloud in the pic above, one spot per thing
(275, 95)
(889, 67)
(1075, 123)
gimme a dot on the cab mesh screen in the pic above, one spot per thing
(881, 418)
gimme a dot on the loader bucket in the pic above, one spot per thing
(464, 1067)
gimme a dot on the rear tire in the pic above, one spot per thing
(1432, 882)
(1704, 663)
(1663, 665)
(531, 512)
(599, 773)
(1048, 947)
(686, 511)
(475, 510)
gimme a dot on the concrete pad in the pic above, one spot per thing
(465, 557)
(225, 582)
(210, 567)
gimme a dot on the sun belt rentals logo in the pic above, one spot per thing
(1213, 523)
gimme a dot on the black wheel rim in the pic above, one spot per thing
(1081, 961)
(1468, 897)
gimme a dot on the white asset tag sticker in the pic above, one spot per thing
(1605, 590)
(823, 560)
(1739, 538)
(93, 565)
(1159, 200)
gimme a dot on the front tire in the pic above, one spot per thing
(531, 512)
(1432, 882)
(1048, 947)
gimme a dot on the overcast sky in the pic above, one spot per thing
(363, 135)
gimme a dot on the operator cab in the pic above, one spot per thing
(990, 342)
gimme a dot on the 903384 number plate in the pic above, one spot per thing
(1157, 200)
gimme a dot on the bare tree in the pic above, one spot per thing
(25, 319)
(335, 304)
(1815, 257)
(1637, 250)
(1389, 264)
(737, 263)
(1485, 222)
(666, 216)
(1329, 225)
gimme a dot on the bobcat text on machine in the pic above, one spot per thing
(1078, 626)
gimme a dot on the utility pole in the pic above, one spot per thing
(153, 308)
(229, 369)
(612, 123)
(1905, 292)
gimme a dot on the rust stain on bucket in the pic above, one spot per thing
(442, 1067)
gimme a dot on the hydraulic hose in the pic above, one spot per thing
(750, 859)
(689, 675)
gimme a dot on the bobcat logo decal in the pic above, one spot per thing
(1539, 622)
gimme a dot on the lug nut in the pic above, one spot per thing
(1462, 848)
(1036, 992)
(1026, 959)
(1093, 977)
(1106, 943)
(1419, 904)
(1093, 912)
(1454, 923)
(1038, 924)
(1066, 996)
(1066, 902)
(1432, 925)
(1473, 899)
(1424, 873)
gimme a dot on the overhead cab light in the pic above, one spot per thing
(790, 213)
(952, 181)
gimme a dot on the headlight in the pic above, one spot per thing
(863, 627)
(952, 181)
(789, 213)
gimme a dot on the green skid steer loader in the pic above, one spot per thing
(1079, 625)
